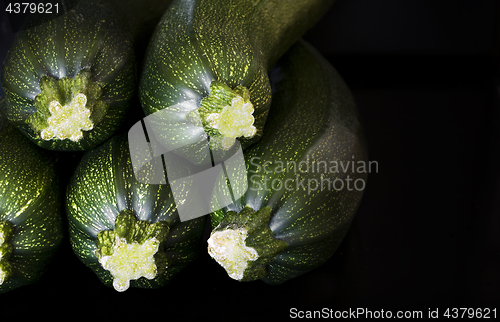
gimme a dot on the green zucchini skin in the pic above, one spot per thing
(86, 40)
(103, 186)
(30, 201)
(313, 118)
(232, 42)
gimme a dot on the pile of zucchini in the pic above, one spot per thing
(224, 75)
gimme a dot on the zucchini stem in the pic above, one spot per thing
(228, 248)
(244, 244)
(131, 250)
(66, 107)
(68, 121)
(226, 114)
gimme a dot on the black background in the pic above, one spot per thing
(424, 74)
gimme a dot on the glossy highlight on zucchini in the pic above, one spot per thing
(68, 80)
(128, 233)
(295, 212)
(30, 208)
(207, 65)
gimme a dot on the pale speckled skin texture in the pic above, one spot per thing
(30, 200)
(313, 116)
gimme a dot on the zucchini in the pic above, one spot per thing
(305, 177)
(127, 232)
(30, 208)
(68, 80)
(206, 69)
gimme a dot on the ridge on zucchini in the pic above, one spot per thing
(294, 214)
